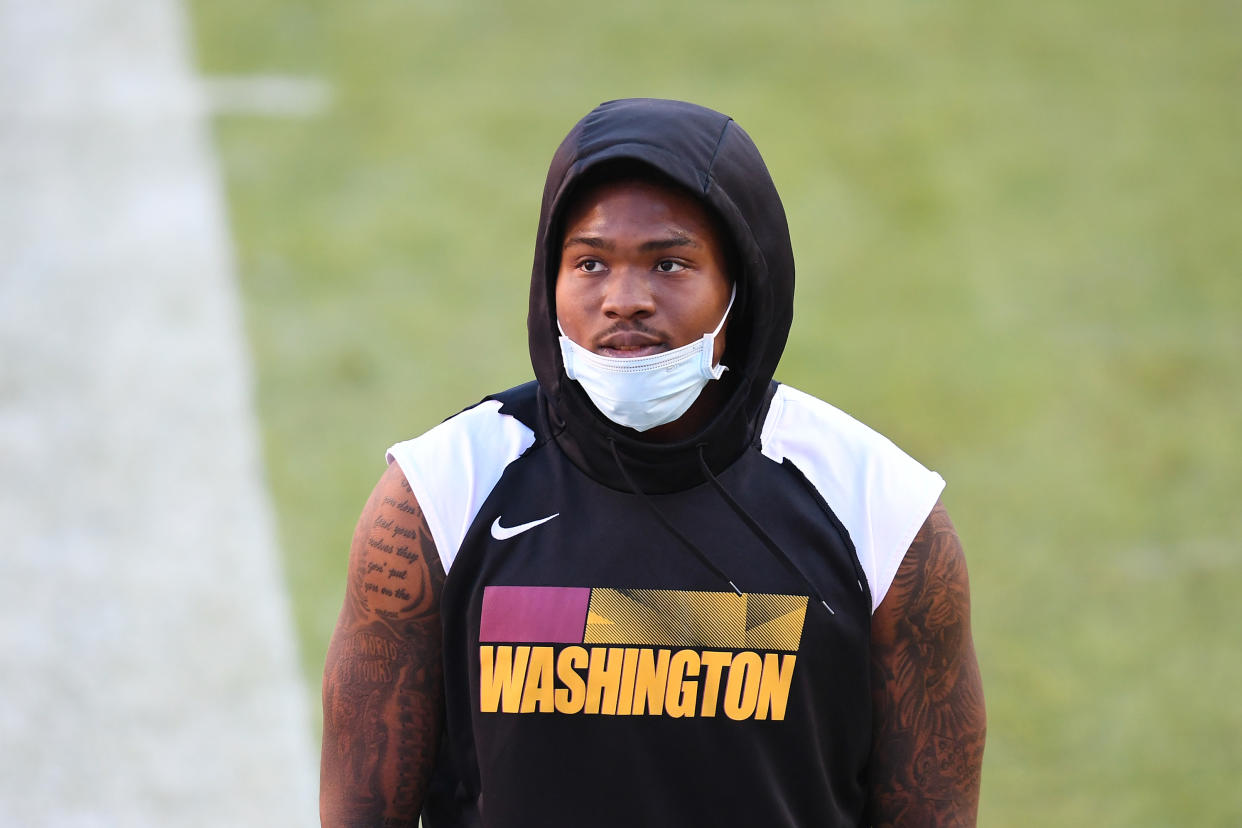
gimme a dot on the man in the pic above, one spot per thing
(677, 592)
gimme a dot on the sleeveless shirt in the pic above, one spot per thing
(597, 672)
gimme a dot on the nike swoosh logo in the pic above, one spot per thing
(505, 532)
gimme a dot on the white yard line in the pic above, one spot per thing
(277, 95)
(148, 674)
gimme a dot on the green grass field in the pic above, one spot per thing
(1017, 230)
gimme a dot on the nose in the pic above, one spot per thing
(628, 295)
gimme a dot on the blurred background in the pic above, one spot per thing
(1018, 247)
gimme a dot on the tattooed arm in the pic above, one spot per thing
(382, 694)
(927, 696)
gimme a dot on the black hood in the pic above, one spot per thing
(712, 157)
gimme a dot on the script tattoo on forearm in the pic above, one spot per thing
(382, 690)
(930, 723)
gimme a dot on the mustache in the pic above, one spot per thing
(633, 326)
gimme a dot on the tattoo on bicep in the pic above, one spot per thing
(929, 742)
(399, 573)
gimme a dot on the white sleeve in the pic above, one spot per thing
(453, 468)
(880, 494)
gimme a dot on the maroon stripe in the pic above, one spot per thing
(554, 615)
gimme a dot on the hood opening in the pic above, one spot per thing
(708, 155)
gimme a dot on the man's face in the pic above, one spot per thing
(642, 271)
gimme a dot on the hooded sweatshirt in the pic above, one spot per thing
(642, 633)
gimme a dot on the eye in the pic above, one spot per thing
(591, 266)
(670, 266)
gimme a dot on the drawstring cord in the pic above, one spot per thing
(750, 522)
(699, 553)
(758, 530)
(773, 546)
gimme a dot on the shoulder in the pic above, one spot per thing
(798, 423)
(454, 466)
(481, 432)
(392, 555)
(879, 493)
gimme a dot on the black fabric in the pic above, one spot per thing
(669, 539)
(553, 769)
(710, 155)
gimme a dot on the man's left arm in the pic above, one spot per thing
(927, 695)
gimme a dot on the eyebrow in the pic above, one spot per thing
(675, 240)
(590, 241)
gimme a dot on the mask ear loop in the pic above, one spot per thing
(709, 371)
(567, 354)
(729, 307)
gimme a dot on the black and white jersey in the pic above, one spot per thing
(599, 672)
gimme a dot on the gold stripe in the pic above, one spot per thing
(680, 618)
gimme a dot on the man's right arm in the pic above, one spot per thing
(383, 700)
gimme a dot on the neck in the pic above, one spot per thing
(668, 463)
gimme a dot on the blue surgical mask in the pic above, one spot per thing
(645, 392)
